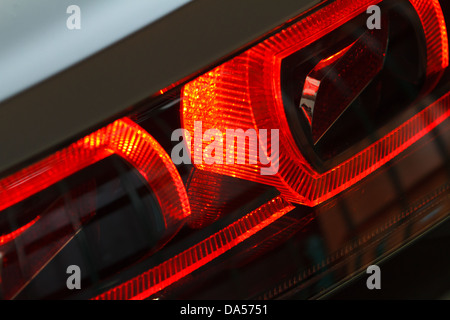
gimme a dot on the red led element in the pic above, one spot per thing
(11, 236)
(181, 265)
(245, 93)
(124, 138)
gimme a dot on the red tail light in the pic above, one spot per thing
(123, 138)
(245, 93)
(141, 225)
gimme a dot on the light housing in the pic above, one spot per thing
(218, 227)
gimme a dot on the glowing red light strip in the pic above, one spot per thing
(245, 93)
(172, 270)
(11, 236)
(429, 12)
(122, 137)
(433, 22)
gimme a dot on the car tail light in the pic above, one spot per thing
(245, 93)
(123, 138)
(317, 142)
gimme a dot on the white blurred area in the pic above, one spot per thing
(35, 42)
